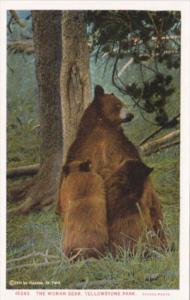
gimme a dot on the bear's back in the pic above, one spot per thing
(85, 220)
(106, 147)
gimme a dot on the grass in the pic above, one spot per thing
(123, 272)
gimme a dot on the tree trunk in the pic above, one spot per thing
(47, 43)
(75, 79)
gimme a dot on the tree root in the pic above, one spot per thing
(42, 194)
(18, 192)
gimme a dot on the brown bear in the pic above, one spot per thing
(100, 136)
(129, 199)
(101, 139)
(82, 199)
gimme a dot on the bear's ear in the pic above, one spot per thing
(99, 91)
(137, 171)
(65, 170)
(85, 166)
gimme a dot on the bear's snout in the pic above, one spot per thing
(125, 116)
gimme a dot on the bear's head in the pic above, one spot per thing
(110, 108)
(125, 188)
(136, 173)
(76, 166)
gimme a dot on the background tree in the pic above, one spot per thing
(75, 78)
(47, 42)
(75, 93)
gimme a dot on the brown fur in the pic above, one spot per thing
(101, 139)
(129, 203)
(85, 218)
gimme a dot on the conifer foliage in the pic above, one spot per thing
(151, 39)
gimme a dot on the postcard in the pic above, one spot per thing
(95, 149)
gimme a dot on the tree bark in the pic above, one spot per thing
(47, 43)
(75, 78)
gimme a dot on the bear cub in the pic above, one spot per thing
(82, 200)
(129, 217)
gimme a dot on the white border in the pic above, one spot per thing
(184, 6)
